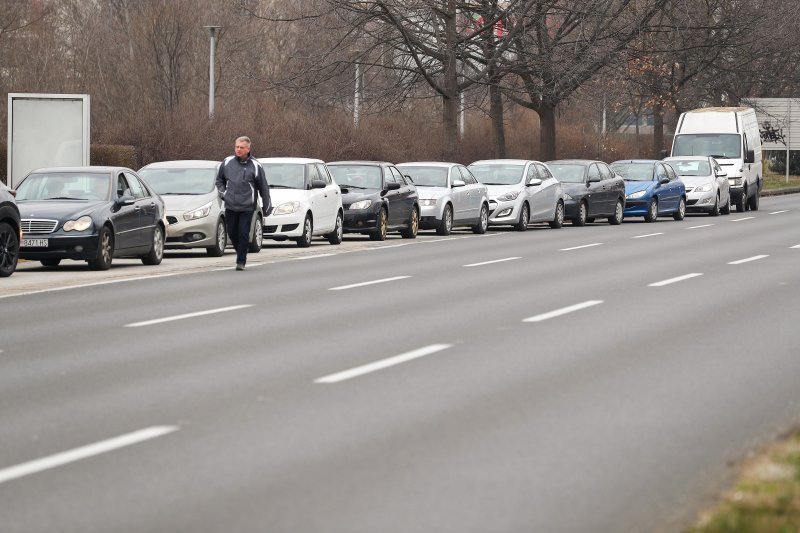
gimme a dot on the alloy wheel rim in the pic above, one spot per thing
(158, 242)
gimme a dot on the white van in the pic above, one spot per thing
(729, 135)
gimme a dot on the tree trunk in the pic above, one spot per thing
(450, 98)
(547, 131)
(658, 131)
(449, 126)
(496, 112)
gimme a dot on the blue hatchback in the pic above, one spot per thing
(652, 189)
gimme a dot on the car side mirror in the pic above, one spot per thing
(662, 181)
(594, 179)
(318, 184)
(344, 189)
(126, 200)
(393, 186)
(534, 182)
(459, 183)
(750, 156)
(722, 175)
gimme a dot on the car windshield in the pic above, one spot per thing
(358, 176)
(634, 171)
(426, 176)
(169, 181)
(718, 145)
(499, 174)
(285, 175)
(65, 186)
(567, 173)
(689, 167)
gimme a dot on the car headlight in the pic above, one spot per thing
(286, 208)
(82, 224)
(635, 195)
(200, 212)
(704, 188)
(507, 197)
(427, 202)
(736, 182)
(567, 196)
(362, 204)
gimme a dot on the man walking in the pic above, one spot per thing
(239, 179)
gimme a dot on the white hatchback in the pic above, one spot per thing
(306, 201)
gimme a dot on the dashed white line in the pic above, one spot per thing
(648, 235)
(385, 363)
(364, 284)
(187, 315)
(444, 239)
(675, 280)
(563, 311)
(84, 452)
(579, 247)
(779, 212)
(747, 260)
(305, 257)
(796, 246)
(492, 262)
(701, 226)
(740, 219)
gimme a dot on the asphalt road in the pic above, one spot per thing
(583, 379)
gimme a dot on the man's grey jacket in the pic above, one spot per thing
(237, 182)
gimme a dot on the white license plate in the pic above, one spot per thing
(34, 243)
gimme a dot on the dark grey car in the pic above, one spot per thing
(9, 232)
(591, 190)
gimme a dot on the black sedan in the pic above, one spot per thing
(376, 198)
(9, 232)
(92, 214)
(591, 189)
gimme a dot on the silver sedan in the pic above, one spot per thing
(707, 187)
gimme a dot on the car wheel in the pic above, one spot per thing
(257, 237)
(524, 218)
(308, 229)
(220, 242)
(652, 211)
(413, 225)
(50, 262)
(483, 221)
(338, 232)
(680, 214)
(754, 201)
(9, 249)
(156, 253)
(616, 220)
(558, 219)
(741, 205)
(580, 216)
(380, 232)
(105, 250)
(445, 226)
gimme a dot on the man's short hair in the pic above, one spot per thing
(243, 138)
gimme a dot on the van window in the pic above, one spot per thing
(717, 145)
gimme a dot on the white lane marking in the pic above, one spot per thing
(187, 315)
(444, 239)
(84, 452)
(310, 257)
(492, 262)
(754, 258)
(648, 235)
(740, 219)
(563, 311)
(675, 280)
(579, 247)
(701, 226)
(364, 284)
(796, 246)
(391, 246)
(779, 212)
(384, 363)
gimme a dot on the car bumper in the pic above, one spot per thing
(570, 208)
(429, 216)
(700, 201)
(503, 213)
(62, 247)
(636, 208)
(183, 234)
(359, 221)
(284, 226)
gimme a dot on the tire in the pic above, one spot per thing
(726, 209)
(50, 262)
(558, 219)
(220, 242)
(335, 237)
(652, 211)
(524, 218)
(483, 221)
(413, 225)
(380, 232)
(257, 238)
(304, 241)
(715, 210)
(741, 205)
(156, 253)
(580, 216)
(105, 250)
(616, 219)
(680, 214)
(754, 201)
(9, 249)
(445, 226)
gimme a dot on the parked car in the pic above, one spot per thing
(306, 201)
(707, 187)
(449, 196)
(591, 189)
(10, 235)
(520, 192)
(90, 213)
(652, 189)
(377, 198)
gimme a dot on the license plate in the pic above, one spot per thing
(34, 243)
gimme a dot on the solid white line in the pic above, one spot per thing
(444, 239)
(492, 262)
(579, 247)
(740, 219)
(187, 315)
(779, 212)
(703, 226)
(674, 280)
(84, 452)
(754, 258)
(648, 235)
(563, 311)
(385, 363)
(310, 257)
(364, 284)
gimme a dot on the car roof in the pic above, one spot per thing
(428, 164)
(504, 161)
(77, 170)
(688, 158)
(636, 161)
(184, 163)
(293, 160)
(574, 161)
(371, 163)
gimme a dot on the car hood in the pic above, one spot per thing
(57, 209)
(636, 186)
(498, 190)
(356, 195)
(187, 202)
(432, 192)
(696, 181)
(280, 196)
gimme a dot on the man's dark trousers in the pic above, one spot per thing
(238, 223)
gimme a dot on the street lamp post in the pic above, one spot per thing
(213, 30)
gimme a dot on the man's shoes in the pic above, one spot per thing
(239, 266)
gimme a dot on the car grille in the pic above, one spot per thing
(691, 202)
(172, 220)
(32, 225)
(270, 229)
